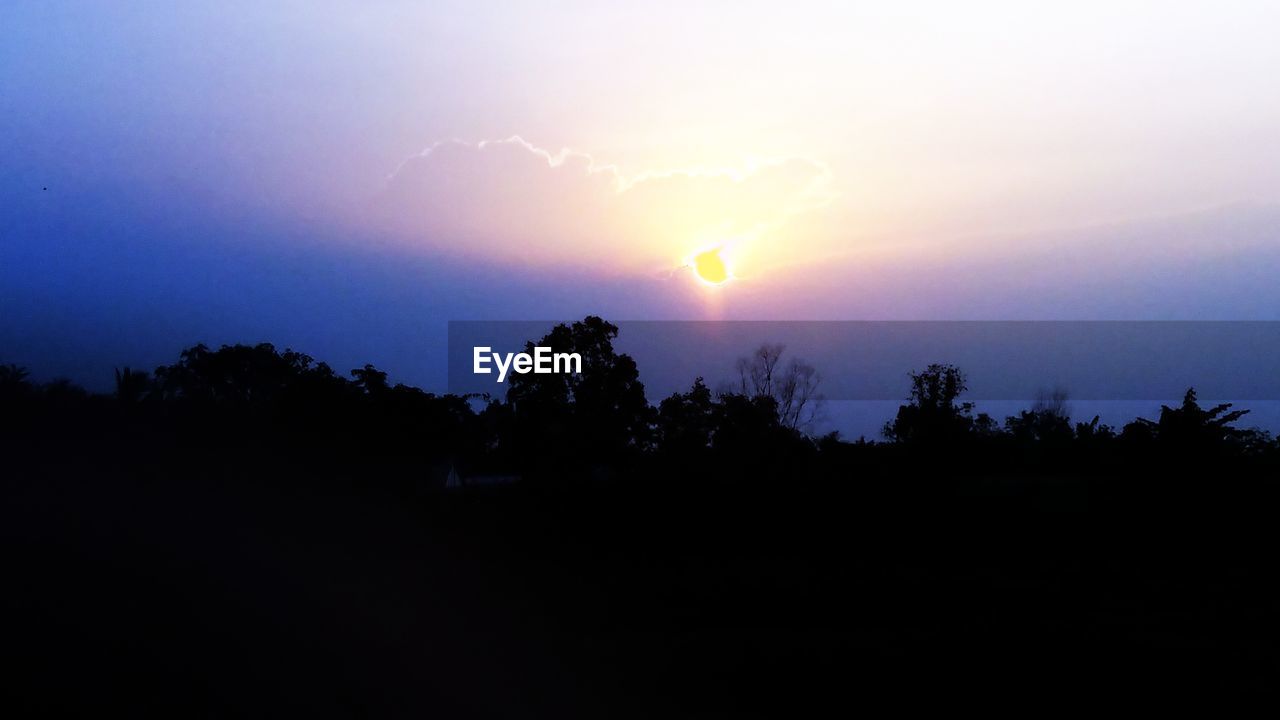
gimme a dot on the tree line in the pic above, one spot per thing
(597, 424)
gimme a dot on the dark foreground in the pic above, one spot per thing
(248, 588)
(248, 533)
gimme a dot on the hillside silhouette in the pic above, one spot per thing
(248, 528)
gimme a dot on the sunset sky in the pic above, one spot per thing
(347, 177)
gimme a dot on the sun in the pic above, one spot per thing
(710, 268)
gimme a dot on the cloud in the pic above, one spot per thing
(511, 200)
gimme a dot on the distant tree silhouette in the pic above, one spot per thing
(370, 379)
(793, 387)
(1188, 428)
(686, 422)
(748, 428)
(1048, 421)
(932, 413)
(1094, 431)
(755, 373)
(597, 423)
(593, 418)
(242, 374)
(732, 424)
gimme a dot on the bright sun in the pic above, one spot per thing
(710, 267)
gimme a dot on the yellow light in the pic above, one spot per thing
(710, 268)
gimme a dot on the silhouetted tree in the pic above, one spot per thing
(1094, 430)
(932, 413)
(594, 423)
(596, 417)
(238, 374)
(755, 373)
(686, 422)
(793, 386)
(747, 428)
(370, 379)
(1048, 422)
(1189, 428)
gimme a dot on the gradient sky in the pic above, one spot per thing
(346, 177)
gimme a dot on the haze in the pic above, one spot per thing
(346, 177)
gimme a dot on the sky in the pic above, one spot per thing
(346, 177)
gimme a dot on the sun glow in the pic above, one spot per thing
(710, 267)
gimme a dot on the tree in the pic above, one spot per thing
(1094, 431)
(793, 387)
(932, 414)
(596, 417)
(1190, 428)
(370, 379)
(1048, 421)
(686, 421)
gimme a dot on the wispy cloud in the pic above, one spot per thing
(511, 199)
